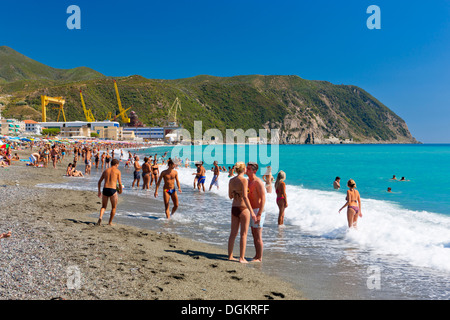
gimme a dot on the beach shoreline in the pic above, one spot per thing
(57, 251)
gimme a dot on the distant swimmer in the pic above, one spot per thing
(113, 184)
(389, 190)
(403, 179)
(337, 183)
(241, 211)
(354, 204)
(170, 177)
(280, 189)
(394, 177)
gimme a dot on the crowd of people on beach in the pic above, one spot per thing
(248, 195)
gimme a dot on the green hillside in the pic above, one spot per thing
(15, 66)
(305, 111)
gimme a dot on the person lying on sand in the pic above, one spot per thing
(5, 235)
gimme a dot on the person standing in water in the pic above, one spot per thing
(215, 179)
(113, 184)
(202, 177)
(241, 211)
(268, 179)
(354, 204)
(280, 189)
(337, 183)
(257, 197)
(136, 172)
(170, 177)
(146, 174)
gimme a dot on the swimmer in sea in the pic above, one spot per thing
(337, 183)
(170, 177)
(354, 204)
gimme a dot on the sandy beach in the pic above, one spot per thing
(57, 251)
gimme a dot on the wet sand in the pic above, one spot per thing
(57, 251)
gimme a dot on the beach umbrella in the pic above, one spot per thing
(4, 146)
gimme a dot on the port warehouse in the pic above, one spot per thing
(107, 130)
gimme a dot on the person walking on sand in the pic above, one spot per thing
(215, 179)
(137, 172)
(241, 211)
(113, 184)
(170, 177)
(354, 204)
(257, 198)
(280, 189)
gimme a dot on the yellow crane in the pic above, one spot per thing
(122, 111)
(87, 112)
(172, 117)
(45, 100)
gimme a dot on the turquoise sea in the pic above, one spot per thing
(401, 249)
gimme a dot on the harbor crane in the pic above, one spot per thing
(87, 112)
(172, 116)
(45, 100)
(122, 111)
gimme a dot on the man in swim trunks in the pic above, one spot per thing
(257, 197)
(215, 179)
(113, 184)
(137, 172)
(201, 176)
(170, 176)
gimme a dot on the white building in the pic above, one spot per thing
(32, 127)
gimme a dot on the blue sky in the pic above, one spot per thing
(405, 64)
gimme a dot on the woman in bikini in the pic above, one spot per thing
(154, 172)
(280, 189)
(353, 203)
(241, 211)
